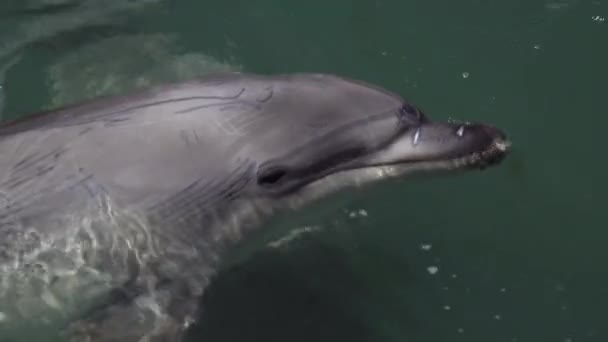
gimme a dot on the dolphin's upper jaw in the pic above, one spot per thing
(488, 146)
(444, 146)
(493, 155)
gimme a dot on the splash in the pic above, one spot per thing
(49, 281)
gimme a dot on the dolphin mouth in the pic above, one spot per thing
(489, 151)
(443, 146)
(429, 147)
(492, 155)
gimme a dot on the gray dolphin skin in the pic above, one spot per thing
(115, 213)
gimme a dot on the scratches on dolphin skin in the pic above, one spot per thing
(29, 175)
(29, 197)
(85, 131)
(4, 202)
(211, 105)
(30, 169)
(189, 137)
(87, 183)
(196, 137)
(266, 95)
(123, 117)
(70, 116)
(201, 194)
(43, 170)
(238, 118)
(232, 189)
(15, 182)
(230, 106)
(5, 207)
(116, 120)
(35, 159)
(223, 106)
(197, 197)
(184, 135)
(176, 100)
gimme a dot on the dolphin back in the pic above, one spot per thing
(141, 150)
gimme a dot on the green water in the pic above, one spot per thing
(519, 250)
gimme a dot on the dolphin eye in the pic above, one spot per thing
(271, 176)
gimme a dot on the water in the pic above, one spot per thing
(515, 253)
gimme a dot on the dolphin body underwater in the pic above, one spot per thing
(114, 213)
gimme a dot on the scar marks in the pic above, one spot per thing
(190, 137)
(239, 116)
(237, 113)
(211, 105)
(36, 159)
(4, 202)
(203, 195)
(265, 95)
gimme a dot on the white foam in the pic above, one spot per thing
(294, 234)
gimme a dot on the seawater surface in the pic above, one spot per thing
(515, 253)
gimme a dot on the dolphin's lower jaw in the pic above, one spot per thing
(491, 156)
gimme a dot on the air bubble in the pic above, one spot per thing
(432, 269)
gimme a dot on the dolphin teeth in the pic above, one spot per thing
(502, 145)
(460, 131)
(416, 137)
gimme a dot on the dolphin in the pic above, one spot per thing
(115, 213)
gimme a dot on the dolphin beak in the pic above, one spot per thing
(446, 146)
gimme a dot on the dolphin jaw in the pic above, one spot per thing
(375, 168)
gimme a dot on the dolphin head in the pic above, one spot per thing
(335, 131)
